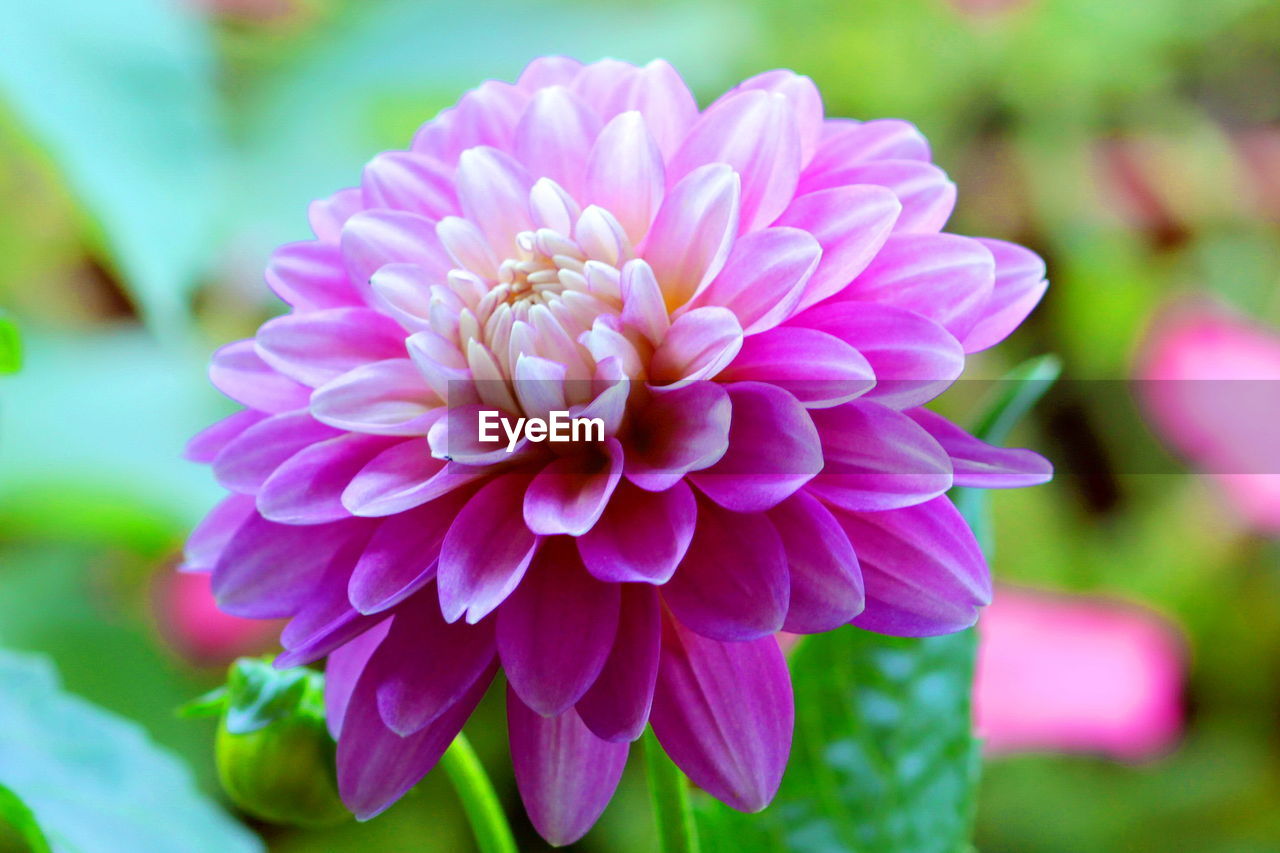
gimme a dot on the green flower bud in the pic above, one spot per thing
(274, 754)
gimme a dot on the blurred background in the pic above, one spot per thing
(152, 152)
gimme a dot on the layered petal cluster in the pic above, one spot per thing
(753, 300)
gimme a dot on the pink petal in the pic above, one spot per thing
(699, 344)
(617, 706)
(566, 775)
(317, 346)
(375, 238)
(554, 137)
(556, 629)
(625, 173)
(764, 277)
(805, 102)
(209, 538)
(493, 190)
(385, 398)
(754, 132)
(239, 372)
(1019, 285)
(774, 449)
(732, 584)
(376, 766)
(664, 100)
(944, 277)
(693, 232)
(311, 276)
(603, 85)
(548, 71)
(404, 476)
(569, 495)
(486, 115)
(861, 142)
(404, 180)
(642, 536)
(341, 672)
(307, 488)
(851, 224)
(926, 194)
(923, 570)
(724, 712)
(818, 369)
(401, 556)
(426, 665)
(327, 215)
(681, 430)
(246, 462)
(914, 359)
(642, 305)
(980, 465)
(486, 551)
(210, 441)
(826, 582)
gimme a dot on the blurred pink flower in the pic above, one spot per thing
(1058, 673)
(1209, 379)
(190, 621)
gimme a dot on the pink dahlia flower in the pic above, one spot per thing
(1211, 383)
(1077, 674)
(754, 300)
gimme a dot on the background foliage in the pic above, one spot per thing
(153, 151)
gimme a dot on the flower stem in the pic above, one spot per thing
(479, 800)
(669, 792)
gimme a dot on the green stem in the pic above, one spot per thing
(479, 800)
(669, 792)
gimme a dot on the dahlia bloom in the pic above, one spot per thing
(1210, 381)
(753, 299)
(1075, 674)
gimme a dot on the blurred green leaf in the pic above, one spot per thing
(19, 832)
(93, 780)
(121, 96)
(10, 346)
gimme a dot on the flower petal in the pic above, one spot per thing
(642, 536)
(666, 103)
(314, 347)
(493, 190)
(923, 570)
(406, 180)
(239, 372)
(247, 461)
(382, 398)
(681, 430)
(307, 488)
(732, 584)
(764, 277)
(342, 671)
(210, 441)
(566, 775)
(556, 629)
(311, 276)
(826, 582)
(698, 345)
(774, 449)
(404, 476)
(724, 712)
(981, 465)
(1019, 286)
(617, 706)
(802, 96)
(861, 142)
(205, 544)
(625, 173)
(569, 495)
(693, 232)
(374, 238)
(818, 369)
(554, 137)
(486, 551)
(927, 195)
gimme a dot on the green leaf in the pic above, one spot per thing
(258, 694)
(10, 346)
(95, 782)
(121, 96)
(884, 759)
(19, 832)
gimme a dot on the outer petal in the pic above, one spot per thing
(493, 190)
(693, 232)
(556, 630)
(307, 489)
(341, 672)
(914, 358)
(724, 712)
(406, 180)
(486, 115)
(774, 449)
(205, 544)
(698, 345)
(375, 238)
(981, 465)
(1019, 285)
(733, 582)
(877, 459)
(246, 462)
(569, 495)
(818, 369)
(665, 102)
(625, 173)
(642, 536)
(861, 142)
(239, 372)
(426, 665)
(804, 100)
(402, 477)
(617, 705)
(851, 224)
(826, 582)
(375, 765)
(311, 275)
(927, 195)
(316, 346)
(566, 775)
(327, 215)
(944, 277)
(486, 551)
(764, 277)
(205, 445)
(755, 133)
(384, 398)
(923, 570)
(555, 135)
(681, 430)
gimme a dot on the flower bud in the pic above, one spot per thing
(275, 757)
